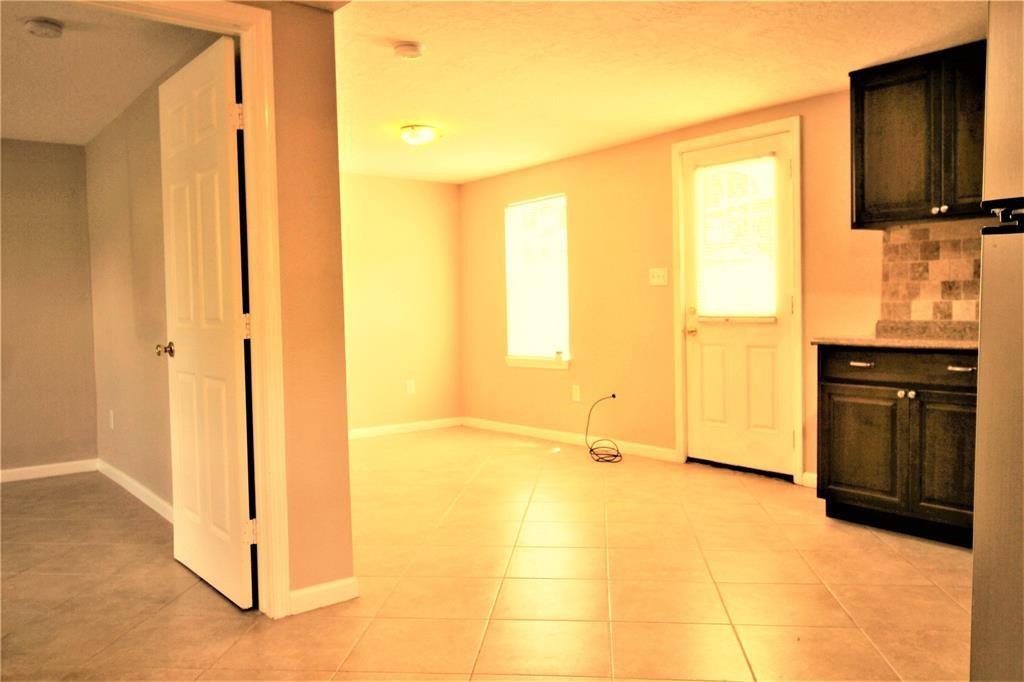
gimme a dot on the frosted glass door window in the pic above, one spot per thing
(537, 279)
(737, 238)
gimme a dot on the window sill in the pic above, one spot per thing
(536, 362)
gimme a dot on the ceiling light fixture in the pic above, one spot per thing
(408, 49)
(43, 27)
(420, 134)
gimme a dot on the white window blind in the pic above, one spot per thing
(537, 279)
(737, 234)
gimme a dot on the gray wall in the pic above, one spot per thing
(129, 319)
(48, 388)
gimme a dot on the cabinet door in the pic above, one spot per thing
(942, 456)
(963, 127)
(863, 446)
(896, 117)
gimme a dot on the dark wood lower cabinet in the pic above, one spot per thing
(863, 428)
(942, 437)
(896, 438)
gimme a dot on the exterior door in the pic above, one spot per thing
(202, 264)
(739, 229)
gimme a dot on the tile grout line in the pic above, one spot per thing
(849, 615)
(718, 591)
(408, 566)
(504, 576)
(608, 588)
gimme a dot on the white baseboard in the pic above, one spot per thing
(406, 427)
(77, 466)
(809, 480)
(627, 447)
(324, 594)
(144, 494)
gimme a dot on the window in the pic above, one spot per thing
(537, 283)
(736, 234)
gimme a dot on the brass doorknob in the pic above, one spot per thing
(901, 394)
(168, 349)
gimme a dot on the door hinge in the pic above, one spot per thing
(247, 320)
(251, 532)
(792, 305)
(239, 117)
(794, 438)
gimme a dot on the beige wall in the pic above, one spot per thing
(401, 254)
(620, 224)
(129, 309)
(48, 394)
(316, 430)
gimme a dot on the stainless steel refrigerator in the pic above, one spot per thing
(997, 628)
(997, 616)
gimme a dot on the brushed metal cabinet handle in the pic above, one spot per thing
(861, 364)
(960, 368)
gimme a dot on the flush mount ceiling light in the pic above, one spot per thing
(408, 49)
(420, 134)
(43, 27)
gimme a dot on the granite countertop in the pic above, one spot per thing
(874, 342)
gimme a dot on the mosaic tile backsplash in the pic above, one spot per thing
(930, 278)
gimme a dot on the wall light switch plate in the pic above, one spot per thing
(575, 393)
(110, 416)
(410, 386)
(658, 277)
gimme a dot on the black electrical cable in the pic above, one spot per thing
(602, 449)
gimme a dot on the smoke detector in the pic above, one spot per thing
(43, 27)
(408, 49)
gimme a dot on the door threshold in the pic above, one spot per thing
(747, 470)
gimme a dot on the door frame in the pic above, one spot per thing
(787, 126)
(252, 26)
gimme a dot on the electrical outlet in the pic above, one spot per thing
(575, 393)
(110, 419)
(658, 277)
(410, 386)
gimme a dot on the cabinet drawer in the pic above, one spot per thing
(911, 369)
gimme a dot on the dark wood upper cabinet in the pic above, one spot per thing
(918, 137)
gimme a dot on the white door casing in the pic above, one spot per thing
(741, 371)
(202, 251)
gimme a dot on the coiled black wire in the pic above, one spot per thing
(602, 449)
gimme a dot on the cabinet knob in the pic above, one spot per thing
(943, 208)
(911, 394)
(901, 394)
(935, 210)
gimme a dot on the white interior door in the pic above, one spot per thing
(737, 212)
(202, 253)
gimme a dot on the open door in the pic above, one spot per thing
(205, 322)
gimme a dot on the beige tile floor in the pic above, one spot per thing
(491, 557)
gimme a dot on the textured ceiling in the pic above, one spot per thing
(66, 90)
(514, 84)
